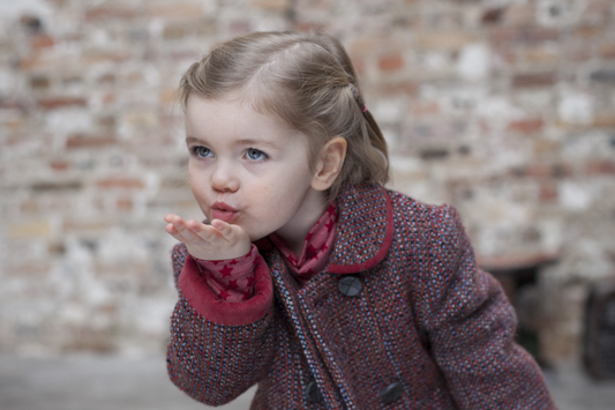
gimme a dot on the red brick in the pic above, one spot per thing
(544, 146)
(56, 186)
(579, 52)
(59, 165)
(29, 207)
(39, 82)
(85, 141)
(391, 62)
(422, 108)
(526, 126)
(522, 35)
(447, 40)
(61, 102)
(175, 9)
(175, 30)
(492, 16)
(29, 230)
(537, 171)
(598, 9)
(12, 104)
(30, 269)
(365, 46)
(239, 26)
(104, 13)
(548, 192)
(107, 78)
(359, 66)
(124, 205)
(407, 88)
(81, 226)
(588, 32)
(275, 5)
(600, 167)
(604, 120)
(120, 183)
(520, 14)
(100, 56)
(42, 41)
(608, 50)
(34, 61)
(530, 80)
(541, 55)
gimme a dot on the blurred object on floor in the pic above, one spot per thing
(599, 346)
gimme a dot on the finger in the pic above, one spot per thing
(177, 222)
(208, 233)
(190, 230)
(172, 218)
(174, 232)
(223, 227)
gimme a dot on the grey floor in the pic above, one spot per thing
(97, 383)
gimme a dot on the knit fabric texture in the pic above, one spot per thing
(427, 323)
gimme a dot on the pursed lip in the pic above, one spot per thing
(223, 211)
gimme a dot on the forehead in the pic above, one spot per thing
(235, 118)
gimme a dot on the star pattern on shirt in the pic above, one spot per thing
(231, 280)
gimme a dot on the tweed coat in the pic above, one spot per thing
(428, 330)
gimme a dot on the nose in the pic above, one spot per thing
(224, 178)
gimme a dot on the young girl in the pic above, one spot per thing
(308, 277)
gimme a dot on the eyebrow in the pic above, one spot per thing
(192, 140)
(245, 141)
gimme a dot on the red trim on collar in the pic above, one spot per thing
(382, 252)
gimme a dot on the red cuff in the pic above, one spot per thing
(201, 297)
(233, 279)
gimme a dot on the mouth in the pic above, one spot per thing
(224, 212)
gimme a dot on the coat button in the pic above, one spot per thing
(312, 393)
(350, 285)
(392, 392)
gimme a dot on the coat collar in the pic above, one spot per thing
(364, 229)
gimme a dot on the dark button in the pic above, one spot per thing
(312, 393)
(350, 285)
(392, 392)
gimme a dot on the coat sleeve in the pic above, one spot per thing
(470, 327)
(218, 349)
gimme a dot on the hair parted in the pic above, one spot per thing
(306, 79)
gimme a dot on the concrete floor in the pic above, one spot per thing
(103, 383)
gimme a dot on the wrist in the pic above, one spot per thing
(234, 252)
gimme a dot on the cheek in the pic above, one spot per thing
(199, 190)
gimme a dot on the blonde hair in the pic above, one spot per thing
(306, 79)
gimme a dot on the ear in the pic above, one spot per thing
(329, 163)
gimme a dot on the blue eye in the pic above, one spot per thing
(255, 155)
(202, 152)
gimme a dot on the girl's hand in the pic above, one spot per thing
(218, 241)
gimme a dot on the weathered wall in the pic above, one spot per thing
(504, 108)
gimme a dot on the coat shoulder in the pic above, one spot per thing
(421, 213)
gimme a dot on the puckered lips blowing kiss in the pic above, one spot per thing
(223, 211)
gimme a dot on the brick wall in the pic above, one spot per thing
(506, 109)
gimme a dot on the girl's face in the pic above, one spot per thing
(250, 169)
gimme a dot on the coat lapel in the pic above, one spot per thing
(365, 229)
